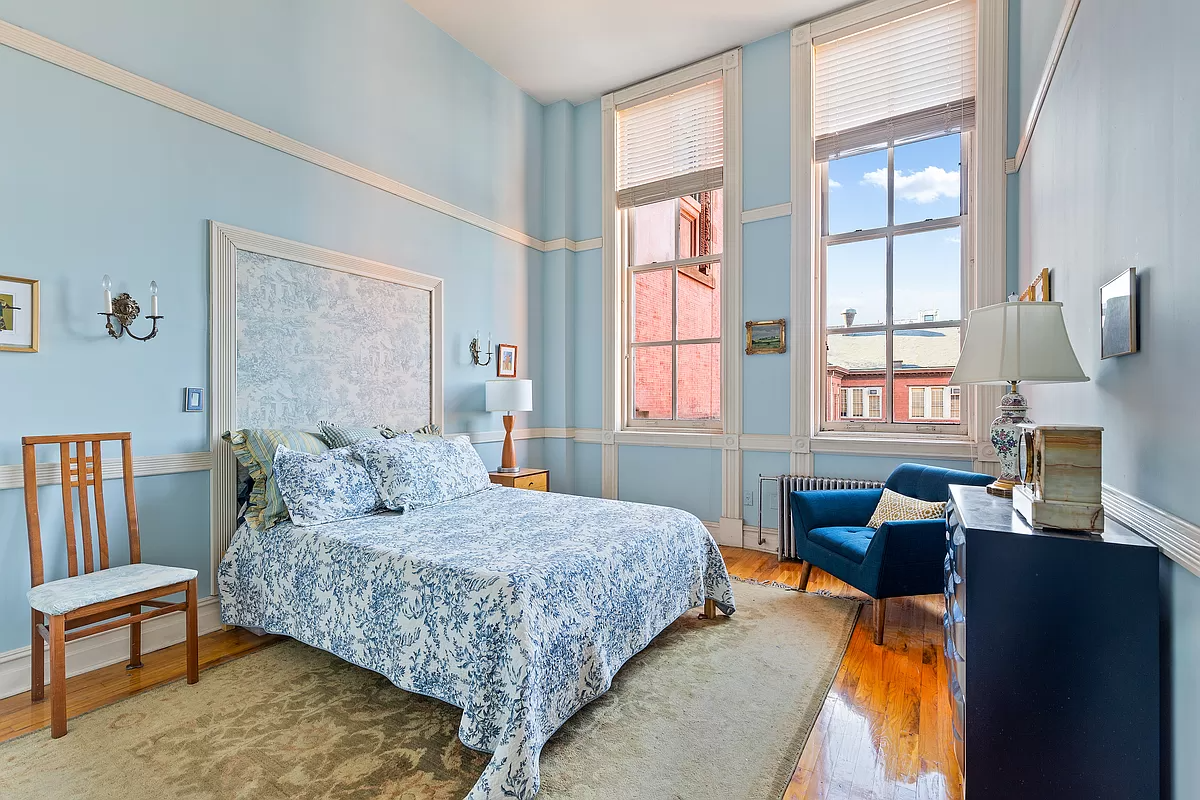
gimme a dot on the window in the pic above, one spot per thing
(892, 117)
(865, 402)
(669, 191)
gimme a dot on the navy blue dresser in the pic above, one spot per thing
(1055, 683)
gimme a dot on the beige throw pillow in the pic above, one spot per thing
(896, 507)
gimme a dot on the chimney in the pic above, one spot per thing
(848, 316)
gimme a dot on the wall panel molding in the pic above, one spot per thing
(80, 63)
(110, 647)
(49, 472)
(1012, 165)
(766, 212)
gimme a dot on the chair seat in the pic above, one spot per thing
(847, 541)
(67, 595)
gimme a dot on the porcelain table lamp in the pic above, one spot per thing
(509, 396)
(1010, 343)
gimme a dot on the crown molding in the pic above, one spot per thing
(52, 52)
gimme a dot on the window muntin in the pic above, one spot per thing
(674, 304)
(892, 295)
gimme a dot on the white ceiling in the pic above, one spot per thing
(581, 49)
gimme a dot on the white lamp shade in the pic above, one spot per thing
(1017, 342)
(509, 395)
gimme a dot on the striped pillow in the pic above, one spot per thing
(345, 435)
(255, 449)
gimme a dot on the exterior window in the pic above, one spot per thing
(892, 150)
(861, 402)
(675, 309)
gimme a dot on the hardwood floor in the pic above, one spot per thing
(883, 733)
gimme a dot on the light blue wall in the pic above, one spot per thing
(1104, 189)
(766, 294)
(756, 464)
(671, 476)
(98, 181)
(766, 121)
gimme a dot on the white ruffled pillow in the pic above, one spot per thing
(325, 487)
(410, 473)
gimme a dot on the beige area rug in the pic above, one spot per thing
(715, 709)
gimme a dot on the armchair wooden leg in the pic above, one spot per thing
(37, 659)
(193, 648)
(880, 605)
(58, 677)
(805, 572)
(135, 641)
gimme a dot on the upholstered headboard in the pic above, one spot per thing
(302, 334)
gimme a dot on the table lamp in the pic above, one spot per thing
(1006, 344)
(509, 396)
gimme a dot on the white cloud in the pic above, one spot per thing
(955, 239)
(921, 187)
(834, 184)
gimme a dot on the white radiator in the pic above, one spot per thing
(807, 483)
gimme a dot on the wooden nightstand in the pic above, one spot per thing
(536, 479)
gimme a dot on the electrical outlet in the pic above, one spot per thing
(748, 499)
(772, 502)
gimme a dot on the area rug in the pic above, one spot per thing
(711, 709)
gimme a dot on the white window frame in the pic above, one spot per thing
(867, 393)
(926, 405)
(888, 232)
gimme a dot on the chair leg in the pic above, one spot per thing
(193, 647)
(805, 572)
(58, 677)
(37, 660)
(880, 605)
(135, 641)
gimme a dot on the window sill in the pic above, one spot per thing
(659, 437)
(894, 445)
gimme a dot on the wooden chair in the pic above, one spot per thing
(100, 598)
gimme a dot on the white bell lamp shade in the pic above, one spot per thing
(1025, 342)
(509, 395)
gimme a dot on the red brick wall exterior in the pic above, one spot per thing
(839, 378)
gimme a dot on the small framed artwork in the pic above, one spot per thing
(20, 309)
(769, 336)
(506, 361)
(1039, 290)
(193, 399)
(1118, 315)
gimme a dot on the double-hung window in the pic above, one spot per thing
(893, 111)
(670, 155)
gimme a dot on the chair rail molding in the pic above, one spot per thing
(52, 52)
(1178, 539)
(49, 472)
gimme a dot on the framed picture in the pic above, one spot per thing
(1039, 290)
(19, 314)
(769, 336)
(1118, 315)
(193, 399)
(506, 361)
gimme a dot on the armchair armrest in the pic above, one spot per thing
(826, 509)
(911, 541)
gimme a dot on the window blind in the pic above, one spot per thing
(671, 146)
(902, 80)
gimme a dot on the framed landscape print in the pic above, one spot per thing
(19, 310)
(506, 361)
(769, 336)
(1118, 315)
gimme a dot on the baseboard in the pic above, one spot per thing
(110, 647)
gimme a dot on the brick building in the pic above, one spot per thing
(923, 363)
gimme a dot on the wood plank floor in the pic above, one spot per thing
(883, 733)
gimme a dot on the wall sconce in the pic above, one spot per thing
(475, 351)
(125, 309)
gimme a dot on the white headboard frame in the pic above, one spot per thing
(225, 242)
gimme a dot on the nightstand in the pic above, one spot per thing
(536, 479)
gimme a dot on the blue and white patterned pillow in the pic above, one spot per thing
(345, 435)
(324, 488)
(411, 473)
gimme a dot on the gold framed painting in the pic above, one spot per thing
(768, 336)
(19, 314)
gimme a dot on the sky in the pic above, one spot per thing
(927, 266)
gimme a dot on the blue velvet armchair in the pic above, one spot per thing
(896, 560)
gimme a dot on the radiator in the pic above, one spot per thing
(807, 483)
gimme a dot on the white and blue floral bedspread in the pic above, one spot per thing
(518, 607)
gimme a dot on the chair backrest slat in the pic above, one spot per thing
(81, 472)
(98, 487)
(64, 458)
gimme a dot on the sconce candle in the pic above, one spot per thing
(154, 298)
(124, 309)
(106, 285)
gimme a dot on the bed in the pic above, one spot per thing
(518, 607)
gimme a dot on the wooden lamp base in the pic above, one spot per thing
(508, 457)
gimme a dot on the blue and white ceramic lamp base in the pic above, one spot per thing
(1006, 438)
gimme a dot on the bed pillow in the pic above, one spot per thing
(255, 449)
(411, 473)
(424, 432)
(896, 507)
(345, 435)
(324, 487)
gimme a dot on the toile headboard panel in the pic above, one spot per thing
(300, 334)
